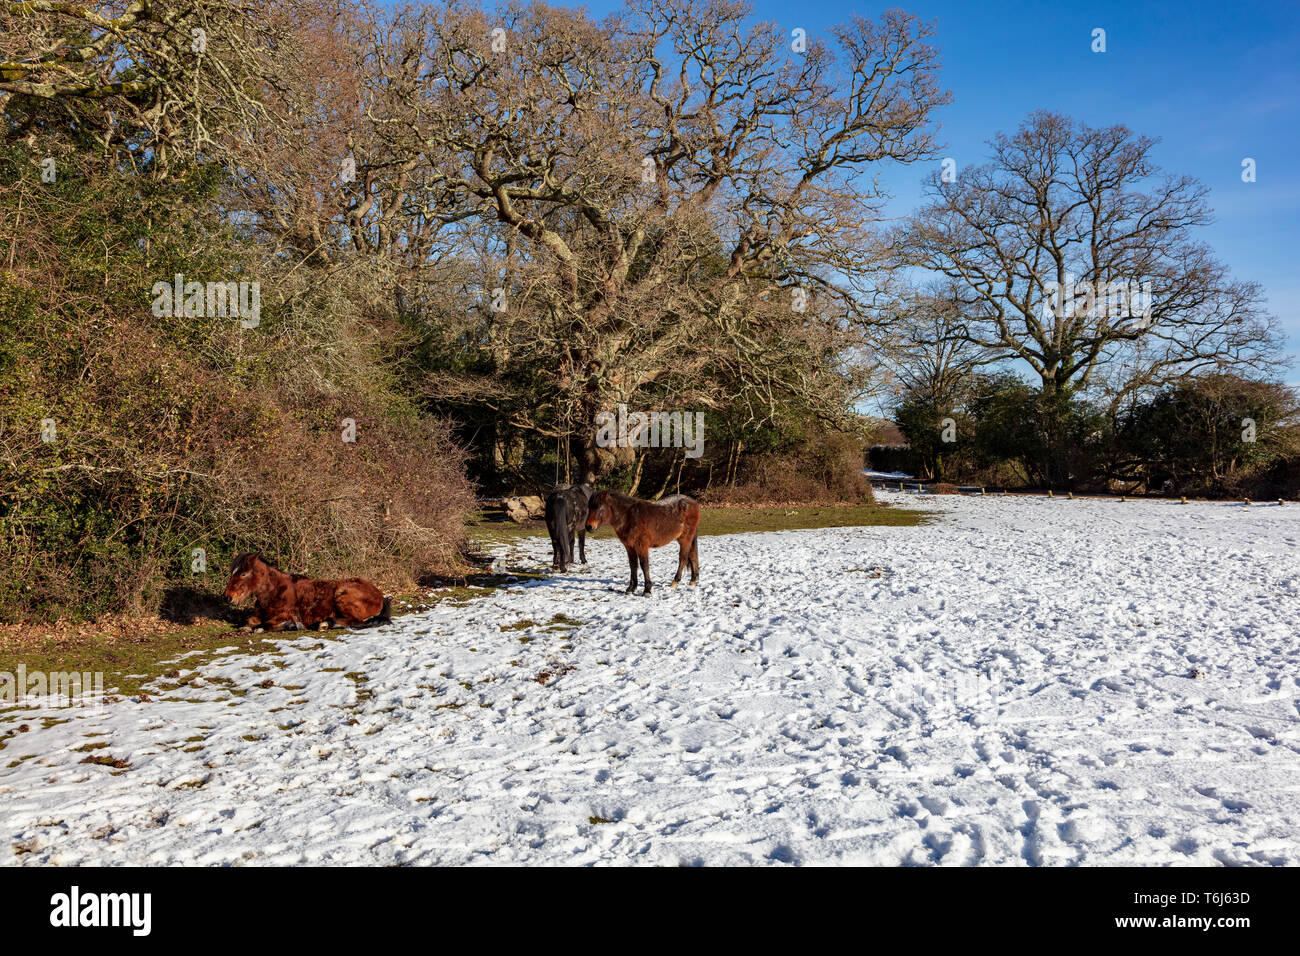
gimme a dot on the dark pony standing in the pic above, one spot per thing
(292, 602)
(566, 516)
(642, 525)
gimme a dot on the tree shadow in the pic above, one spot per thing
(190, 605)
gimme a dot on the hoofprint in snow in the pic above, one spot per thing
(1020, 681)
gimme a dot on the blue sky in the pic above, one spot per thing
(1214, 82)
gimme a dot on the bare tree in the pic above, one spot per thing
(666, 194)
(182, 72)
(920, 338)
(1075, 254)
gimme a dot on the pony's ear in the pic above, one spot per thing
(244, 561)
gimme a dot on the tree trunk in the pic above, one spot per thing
(636, 477)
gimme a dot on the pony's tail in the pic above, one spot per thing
(562, 540)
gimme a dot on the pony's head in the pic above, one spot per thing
(246, 575)
(598, 511)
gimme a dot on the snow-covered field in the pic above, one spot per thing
(1020, 681)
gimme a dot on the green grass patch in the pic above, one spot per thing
(117, 763)
(746, 520)
(128, 664)
(733, 521)
(562, 622)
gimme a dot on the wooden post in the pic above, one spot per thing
(1184, 501)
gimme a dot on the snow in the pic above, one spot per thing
(1014, 682)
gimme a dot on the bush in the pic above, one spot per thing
(826, 469)
(1192, 438)
(175, 434)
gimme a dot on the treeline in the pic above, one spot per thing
(1211, 435)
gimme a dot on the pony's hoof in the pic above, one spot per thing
(674, 584)
(631, 590)
(695, 584)
(258, 630)
(323, 626)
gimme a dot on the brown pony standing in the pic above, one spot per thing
(292, 602)
(642, 525)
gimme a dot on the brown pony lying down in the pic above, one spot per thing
(292, 602)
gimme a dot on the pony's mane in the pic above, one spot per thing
(628, 499)
(243, 559)
(617, 495)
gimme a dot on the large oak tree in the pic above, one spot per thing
(1035, 240)
(674, 201)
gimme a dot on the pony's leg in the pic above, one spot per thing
(582, 543)
(682, 552)
(645, 568)
(695, 559)
(631, 560)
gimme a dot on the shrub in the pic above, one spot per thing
(821, 470)
(173, 434)
(1192, 438)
